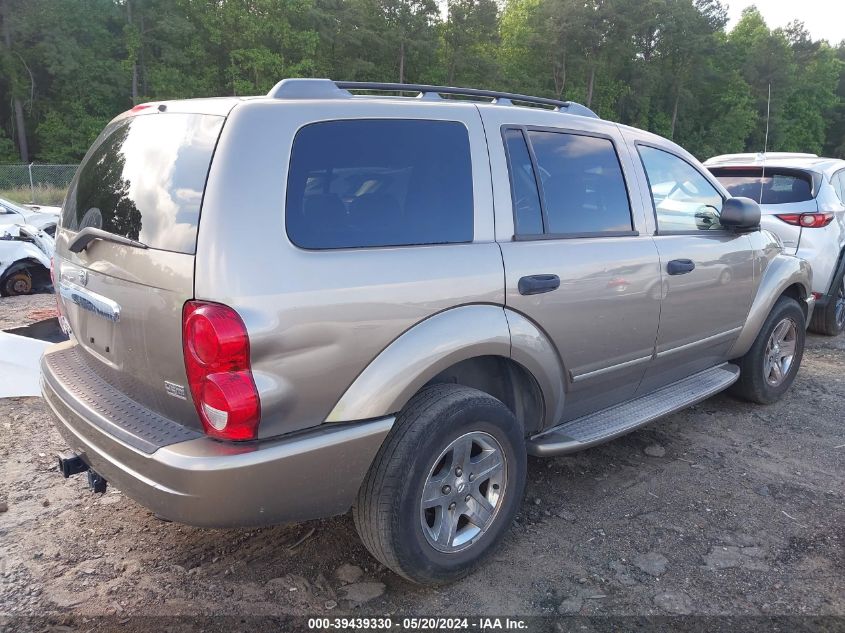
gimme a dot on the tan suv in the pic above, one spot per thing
(330, 297)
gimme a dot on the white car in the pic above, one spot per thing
(25, 254)
(41, 217)
(802, 200)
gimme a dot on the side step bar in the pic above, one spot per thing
(619, 419)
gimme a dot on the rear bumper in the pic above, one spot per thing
(209, 483)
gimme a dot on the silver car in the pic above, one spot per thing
(337, 297)
(802, 200)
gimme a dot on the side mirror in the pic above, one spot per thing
(706, 218)
(741, 214)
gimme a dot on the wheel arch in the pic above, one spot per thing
(785, 276)
(480, 346)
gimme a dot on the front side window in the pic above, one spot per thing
(380, 182)
(683, 198)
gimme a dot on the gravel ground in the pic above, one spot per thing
(724, 509)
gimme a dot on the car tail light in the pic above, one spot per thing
(807, 220)
(216, 349)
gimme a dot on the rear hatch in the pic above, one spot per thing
(778, 190)
(143, 180)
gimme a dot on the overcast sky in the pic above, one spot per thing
(824, 19)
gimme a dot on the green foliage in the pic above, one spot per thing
(665, 65)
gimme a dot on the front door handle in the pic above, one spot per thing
(680, 266)
(538, 284)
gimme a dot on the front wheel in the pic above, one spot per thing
(769, 368)
(16, 283)
(445, 486)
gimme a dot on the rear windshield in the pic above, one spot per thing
(367, 183)
(144, 179)
(776, 187)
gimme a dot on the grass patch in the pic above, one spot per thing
(48, 195)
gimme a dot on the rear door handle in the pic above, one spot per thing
(538, 284)
(680, 266)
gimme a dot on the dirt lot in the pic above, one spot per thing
(725, 509)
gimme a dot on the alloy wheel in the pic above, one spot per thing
(780, 352)
(463, 492)
(839, 309)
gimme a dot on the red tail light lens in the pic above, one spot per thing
(216, 349)
(807, 220)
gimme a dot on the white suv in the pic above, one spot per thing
(802, 199)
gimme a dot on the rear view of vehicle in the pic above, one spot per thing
(802, 199)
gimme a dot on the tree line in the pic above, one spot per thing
(670, 66)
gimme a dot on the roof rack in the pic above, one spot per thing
(328, 89)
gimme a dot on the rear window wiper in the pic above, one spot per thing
(87, 235)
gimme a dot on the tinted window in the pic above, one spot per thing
(775, 187)
(380, 183)
(582, 183)
(527, 214)
(683, 198)
(144, 179)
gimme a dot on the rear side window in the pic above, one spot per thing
(374, 182)
(582, 189)
(527, 212)
(774, 187)
(144, 179)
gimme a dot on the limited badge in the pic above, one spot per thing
(177, 391)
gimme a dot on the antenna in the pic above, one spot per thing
(765, 142)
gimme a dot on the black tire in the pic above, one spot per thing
(18, 282)
(388, 513)
(753, 384)
(830, 320)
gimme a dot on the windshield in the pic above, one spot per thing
(144, 179)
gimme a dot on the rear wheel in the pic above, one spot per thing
(770, 366)
(445, 486)
(16, 283)
(830, 319)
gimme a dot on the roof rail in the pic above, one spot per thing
(328, 89)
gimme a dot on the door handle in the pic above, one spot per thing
(680, 266)
(538, 284)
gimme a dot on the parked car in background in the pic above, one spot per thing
(802, 198)
(25, 254)
(43, 218)
(456, 284)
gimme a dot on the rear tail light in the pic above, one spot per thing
(807, 220)
(216, 349)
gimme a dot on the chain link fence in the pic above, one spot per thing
(35, 184)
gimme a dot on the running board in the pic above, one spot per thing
(619, 419)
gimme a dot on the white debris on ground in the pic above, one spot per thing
(19, 360)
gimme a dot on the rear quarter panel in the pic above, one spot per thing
(316, 319)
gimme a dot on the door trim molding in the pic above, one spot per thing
(705, 341)
(587, 375)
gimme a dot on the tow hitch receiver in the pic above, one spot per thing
(71, 464)
(96, 482)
